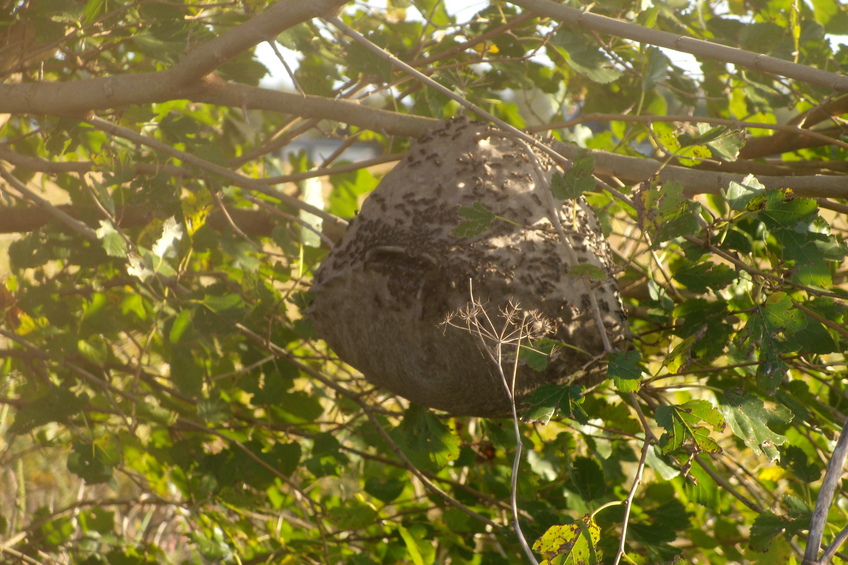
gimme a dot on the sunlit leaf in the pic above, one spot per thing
(689, 423)
(572, 544)
(477, 220)
(749, 420)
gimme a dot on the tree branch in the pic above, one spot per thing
(190, 75)
(696, 181)
(337, 225)
(832, 476)
(696, 47)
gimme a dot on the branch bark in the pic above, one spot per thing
(696, 47)
(695, 181)
(191, 76)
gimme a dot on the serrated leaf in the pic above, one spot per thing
(806, 251)
(112, 241)
(90, 462)
(218, 304)
(547, 399)
(625, 370)
(571, 544)
(728, 145)
(656, 69)
(683, 424)
(172, 233)
(537, 354)
(424, 432)
(591, 272)
(781, 208)
(749, 420)
(793, 458)
(587, 479)
(584, 57)
(781, 315)
(576, 180)
(765, 528)
(664, 213)
(697, 277)
(681, 355)
(478, 220)
(54, 406)
(384, 490)
(353, 515)
(739, 195)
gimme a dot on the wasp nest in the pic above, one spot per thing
(436, 314)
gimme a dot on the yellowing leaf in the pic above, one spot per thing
(572, 544)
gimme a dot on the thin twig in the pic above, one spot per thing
(832, 476)
(628, 503)
(362, 40)
(833, 548)
(72, 223)
(234, 177)
(317, 375)
(506, 336)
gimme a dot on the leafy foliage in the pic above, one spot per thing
(163, 397)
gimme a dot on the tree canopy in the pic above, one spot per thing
(164, 397)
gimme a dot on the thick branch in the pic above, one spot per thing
(346, 111)
(190, 75)
(695, 181)
(263, 27)
(21, 220)
(696, 47)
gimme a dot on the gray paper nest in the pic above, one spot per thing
(385, 292)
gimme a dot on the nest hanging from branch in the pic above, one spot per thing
(436, 312)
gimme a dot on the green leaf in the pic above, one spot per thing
(664, 213)
(739, 195)
(656, 69)
(591, 272)
(433, 11)
(683, 424)
(97, 520)
(793, 458)
(572, 544)
(244, 69)
(477, 220)
(584, 57)
(808, 254)
(354, 515)
(681, 356)
(54, 406)
(749, 420)
(547, 399)
(384, 490)
(90, 462)
(538, 353)
(765, 528)
(781, 316)
(347, 188)
(416, 545)
(697, 277)
(365, 61)
(218, 304)
(625, 370)
(587, 479)
(728, 144)
(424, 432)
(181, 323)
(781, 208)
(113, 243)
(576, 180)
